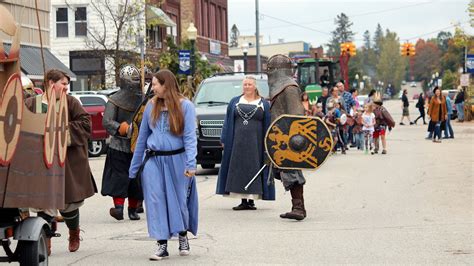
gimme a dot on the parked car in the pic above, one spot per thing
(413, 84)
(416, 96)
(211, 100)
(386, 97)
(94, 104)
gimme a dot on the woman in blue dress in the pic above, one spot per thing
(165, 155)
(245, 125)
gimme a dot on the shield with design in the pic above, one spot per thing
(50, 131)
(63, 129)
(11, 110)
(298, 142)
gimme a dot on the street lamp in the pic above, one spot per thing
(192, 36)
(357, 80)
(245, 50)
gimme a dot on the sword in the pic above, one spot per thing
(255, 177)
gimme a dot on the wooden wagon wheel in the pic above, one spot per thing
(50, 131)
(63, 129)
(11, 112)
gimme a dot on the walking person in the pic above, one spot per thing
(459, 102)
(246, 122)
(79, 183)
(448, 129)
(405, 105)
(368, 121)
(438, 113)
(421, 108)
(118, 115)
(165, 154)
(383, 121)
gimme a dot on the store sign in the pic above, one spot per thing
(184, 62)
(238, 65)
(470, 63)
(465, 80)
(214, 47)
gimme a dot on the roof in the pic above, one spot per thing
(31, 63)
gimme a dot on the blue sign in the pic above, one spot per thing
(184, 62)
(470, 63)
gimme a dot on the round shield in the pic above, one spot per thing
(343, 119)
(50, 131)
(11, 111)
(62, 128)
(298, 142)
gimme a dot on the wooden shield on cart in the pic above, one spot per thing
(11, 110)
(63, 129)
(298, 142)
(50, 131)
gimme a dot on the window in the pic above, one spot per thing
(154, 37)
(81, 21)
(61, 22)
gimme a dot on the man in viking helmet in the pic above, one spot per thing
(285, 99)
(118, 116)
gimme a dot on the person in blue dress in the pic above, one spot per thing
(246, 122)
(165, 160)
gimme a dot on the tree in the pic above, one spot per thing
(341, 34)
(234, 36)
(117, 32)
(449, 80)
(442, 40)
(378, 36)
(426, 60)
(367, 44)
(391, 65)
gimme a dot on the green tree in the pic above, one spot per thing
(342, 33)
(367, 43)
(378, 37)
(449, 80)
(391, 65)
(234, 36)
(442, 40)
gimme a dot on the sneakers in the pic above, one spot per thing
(183, 245)
(384, 152)
(161, 252)
(411, 123)
(401, 124)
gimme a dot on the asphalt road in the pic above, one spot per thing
(411, 206)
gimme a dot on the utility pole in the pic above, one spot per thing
(257, 41)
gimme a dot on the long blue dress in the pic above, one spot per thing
(170, 197)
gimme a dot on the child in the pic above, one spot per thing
(368, 120)
(357, 129)
(318, 110)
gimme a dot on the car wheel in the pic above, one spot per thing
(96, 148)
(208, 166)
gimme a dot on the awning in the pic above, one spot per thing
(156, 17)
(225, 62)
(32, 65)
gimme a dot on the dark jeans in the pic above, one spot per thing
(437, 131)
(422, 115)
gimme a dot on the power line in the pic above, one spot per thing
(436, 31)
(295, 24)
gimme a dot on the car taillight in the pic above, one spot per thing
(101, 113)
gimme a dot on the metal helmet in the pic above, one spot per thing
(279, 61)
(130, 73)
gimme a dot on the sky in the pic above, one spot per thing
(410, 19)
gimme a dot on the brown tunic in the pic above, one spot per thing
(434, 109)
(79, 183)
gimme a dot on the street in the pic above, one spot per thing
(411, 206)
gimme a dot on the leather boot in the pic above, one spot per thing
(117, 212)
(74, 239)
(297, 211)
(132, 214)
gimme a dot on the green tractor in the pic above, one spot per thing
(310, 71)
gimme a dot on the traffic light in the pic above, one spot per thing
(403, 49)
(407, 49)
(412, 50)
(348, 48)
(352, 49)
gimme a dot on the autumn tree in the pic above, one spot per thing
(426, 60)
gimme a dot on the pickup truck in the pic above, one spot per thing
(94, 104)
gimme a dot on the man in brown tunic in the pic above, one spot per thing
(79, 182)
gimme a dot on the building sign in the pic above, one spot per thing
(465, 80)
(238, 65)
(184, 62)
(214, 47)
(470, 63)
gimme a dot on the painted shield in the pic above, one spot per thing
(11, 111)
(63, 129)
(50, 131)
(298, 142)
